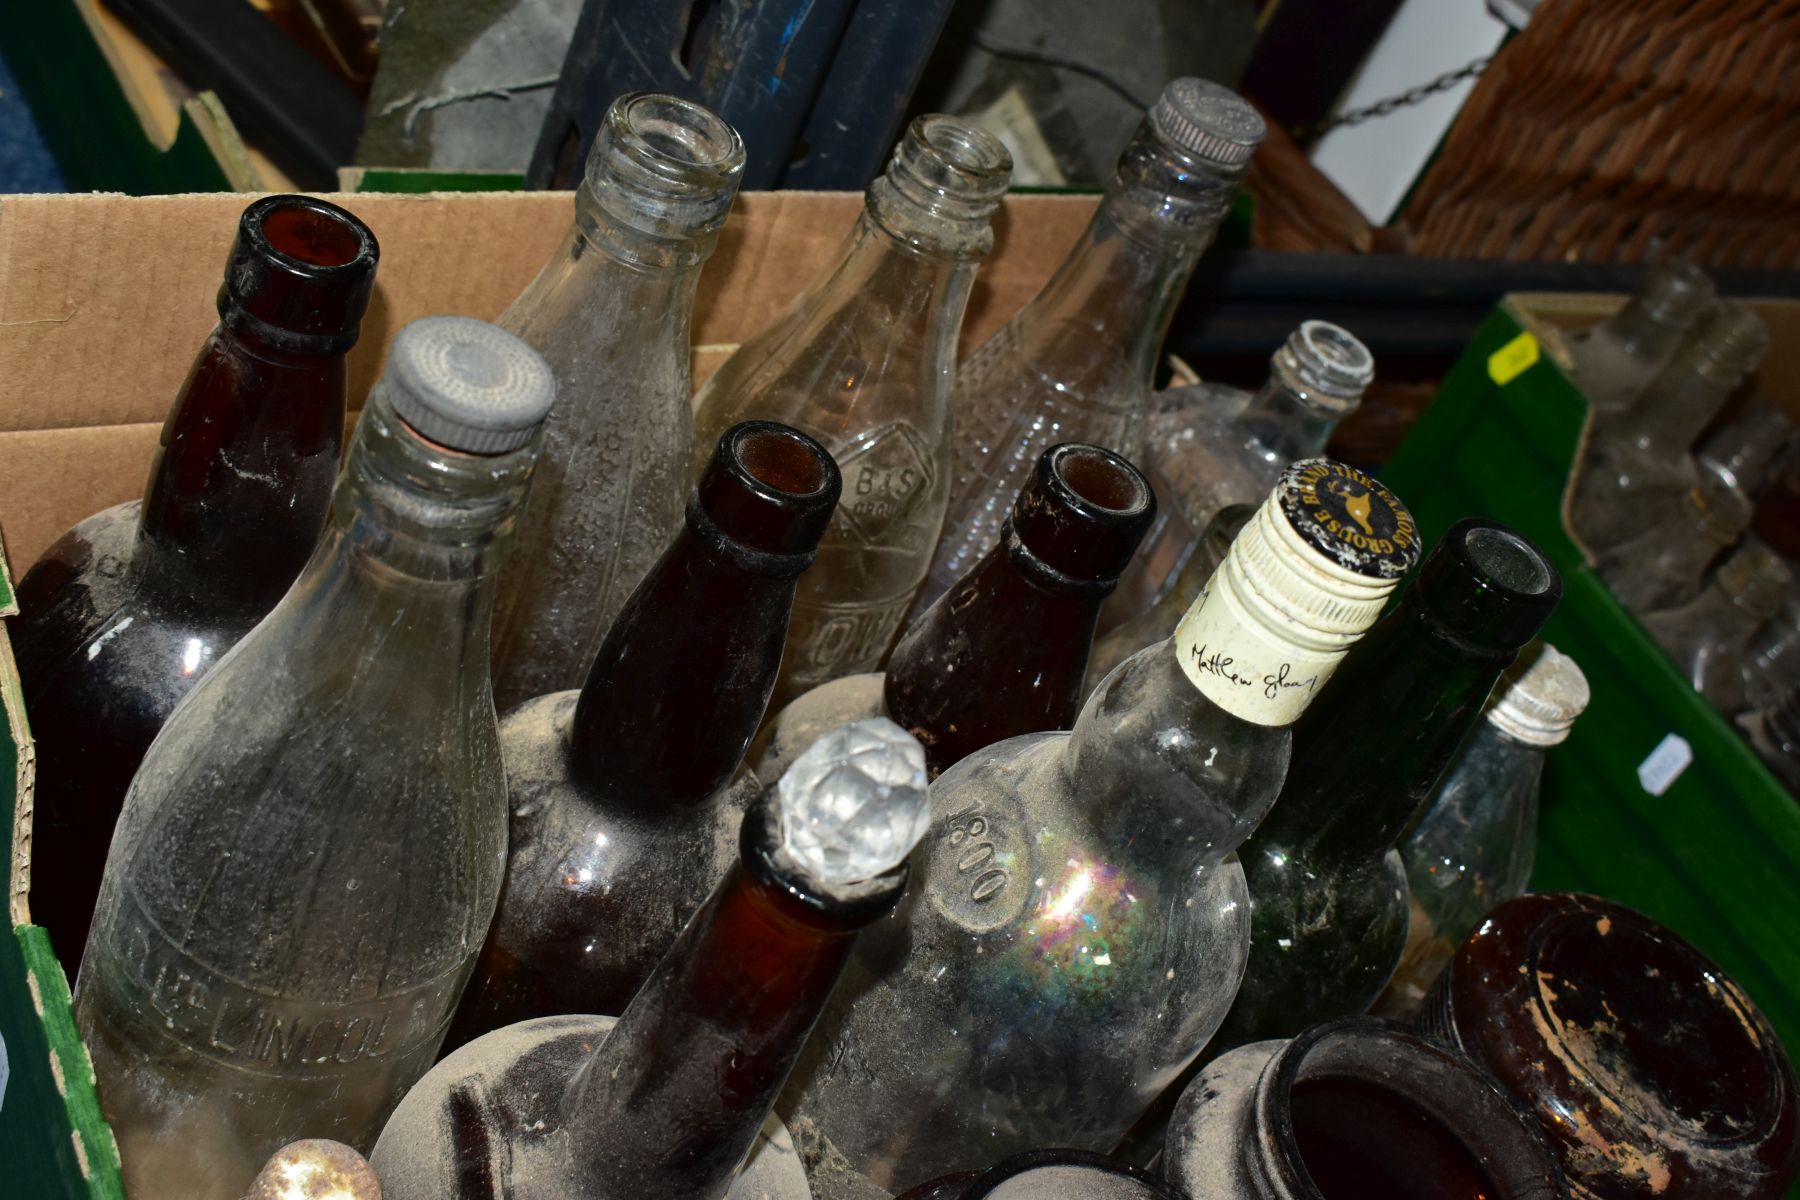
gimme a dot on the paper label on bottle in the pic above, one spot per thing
(1513, 359)
(1671, 757)
(1245, 669)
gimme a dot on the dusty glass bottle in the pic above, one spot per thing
(309, 857)
(1664, 564)
(1002, 653)
(1637, 469)
(1079, 922)
(666, 1101)
(616, 790)
(1474, 844)
(610, 314)
(127, 610)
(1616, 358)
(1353, 1109)
(1748, 452)
(1709, 637)
(863, 361)
(1160, 619)
(1650, 1073)
(1055, 1174)
(1200, 463)
(1328, 907)
(1078, 362)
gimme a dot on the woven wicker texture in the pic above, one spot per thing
(1609, 125)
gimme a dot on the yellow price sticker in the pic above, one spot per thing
(1513, 359)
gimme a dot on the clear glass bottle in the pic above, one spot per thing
(1159, 621)
(616, 789)
(1078, 362)
(309, 857)
(1748, 452)
(315, 1169)
(1049, 1175)
(1637, 469)
(1002, 653)
(1353, 1109)
(1474, 844)
(1616, 358)
(1650, 1072)
(1079, 921)
(1772, 661)
(863, 361)
(610, 314)
(129, 609)
(664, 1103)
(1664, 564)
(1199, 464)
(1709, 637)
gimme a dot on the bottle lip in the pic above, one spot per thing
(942, 185)
(1522, 997)
(1077, 523)
(324, 259)
(776, 469)
(1485, 587)
(1676, 292)
(1385, 1056)
(1327, 365)
(467, 385)
(673, 139)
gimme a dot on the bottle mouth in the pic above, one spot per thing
(948, 167)
(1082, 515)
(1509, 560)
(299, 275)
(675, 140)
(786, 463)
(1328, 365)
(309, 236)
(1099, 482)
(1373, 1093)
(766, 498)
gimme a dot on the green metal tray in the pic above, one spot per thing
(1715, 856)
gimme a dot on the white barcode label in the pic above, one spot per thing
(1665, 764)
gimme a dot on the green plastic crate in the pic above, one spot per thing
(1716, 856)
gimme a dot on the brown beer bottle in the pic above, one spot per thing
(1004, 651)
(129, 608)
(618, 790)
(665, 1102)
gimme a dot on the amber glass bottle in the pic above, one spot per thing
(129, 608)
(1649, 1071)
(664, 1103)
(616, 790)
(1003, 652)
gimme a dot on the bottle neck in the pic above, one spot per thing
(244, 473)
(1002, 653)
(672, 1100)
(1640, 331)
(1679, 403)
(1356, 779)
(1281, 425)
(684, 675)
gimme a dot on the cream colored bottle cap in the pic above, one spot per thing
(1539, 697)
(1307, 576)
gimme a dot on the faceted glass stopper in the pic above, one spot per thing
(315, 1169)
(854, 805)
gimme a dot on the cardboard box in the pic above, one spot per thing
(104, 301)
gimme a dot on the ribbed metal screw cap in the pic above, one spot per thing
(1539, 696)
(468, 385)
(1207, 120)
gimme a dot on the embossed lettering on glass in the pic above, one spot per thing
(862, 361)
(1079, 922)
(610, 314)
(1078, 362)
(309, 857)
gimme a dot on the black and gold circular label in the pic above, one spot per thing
(1349, 517)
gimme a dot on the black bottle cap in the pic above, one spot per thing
(1349, 517)
(1083, 512)
(1485, 586)
(766, 498)
(300, 275)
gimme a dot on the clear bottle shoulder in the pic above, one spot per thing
(487, 1122)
